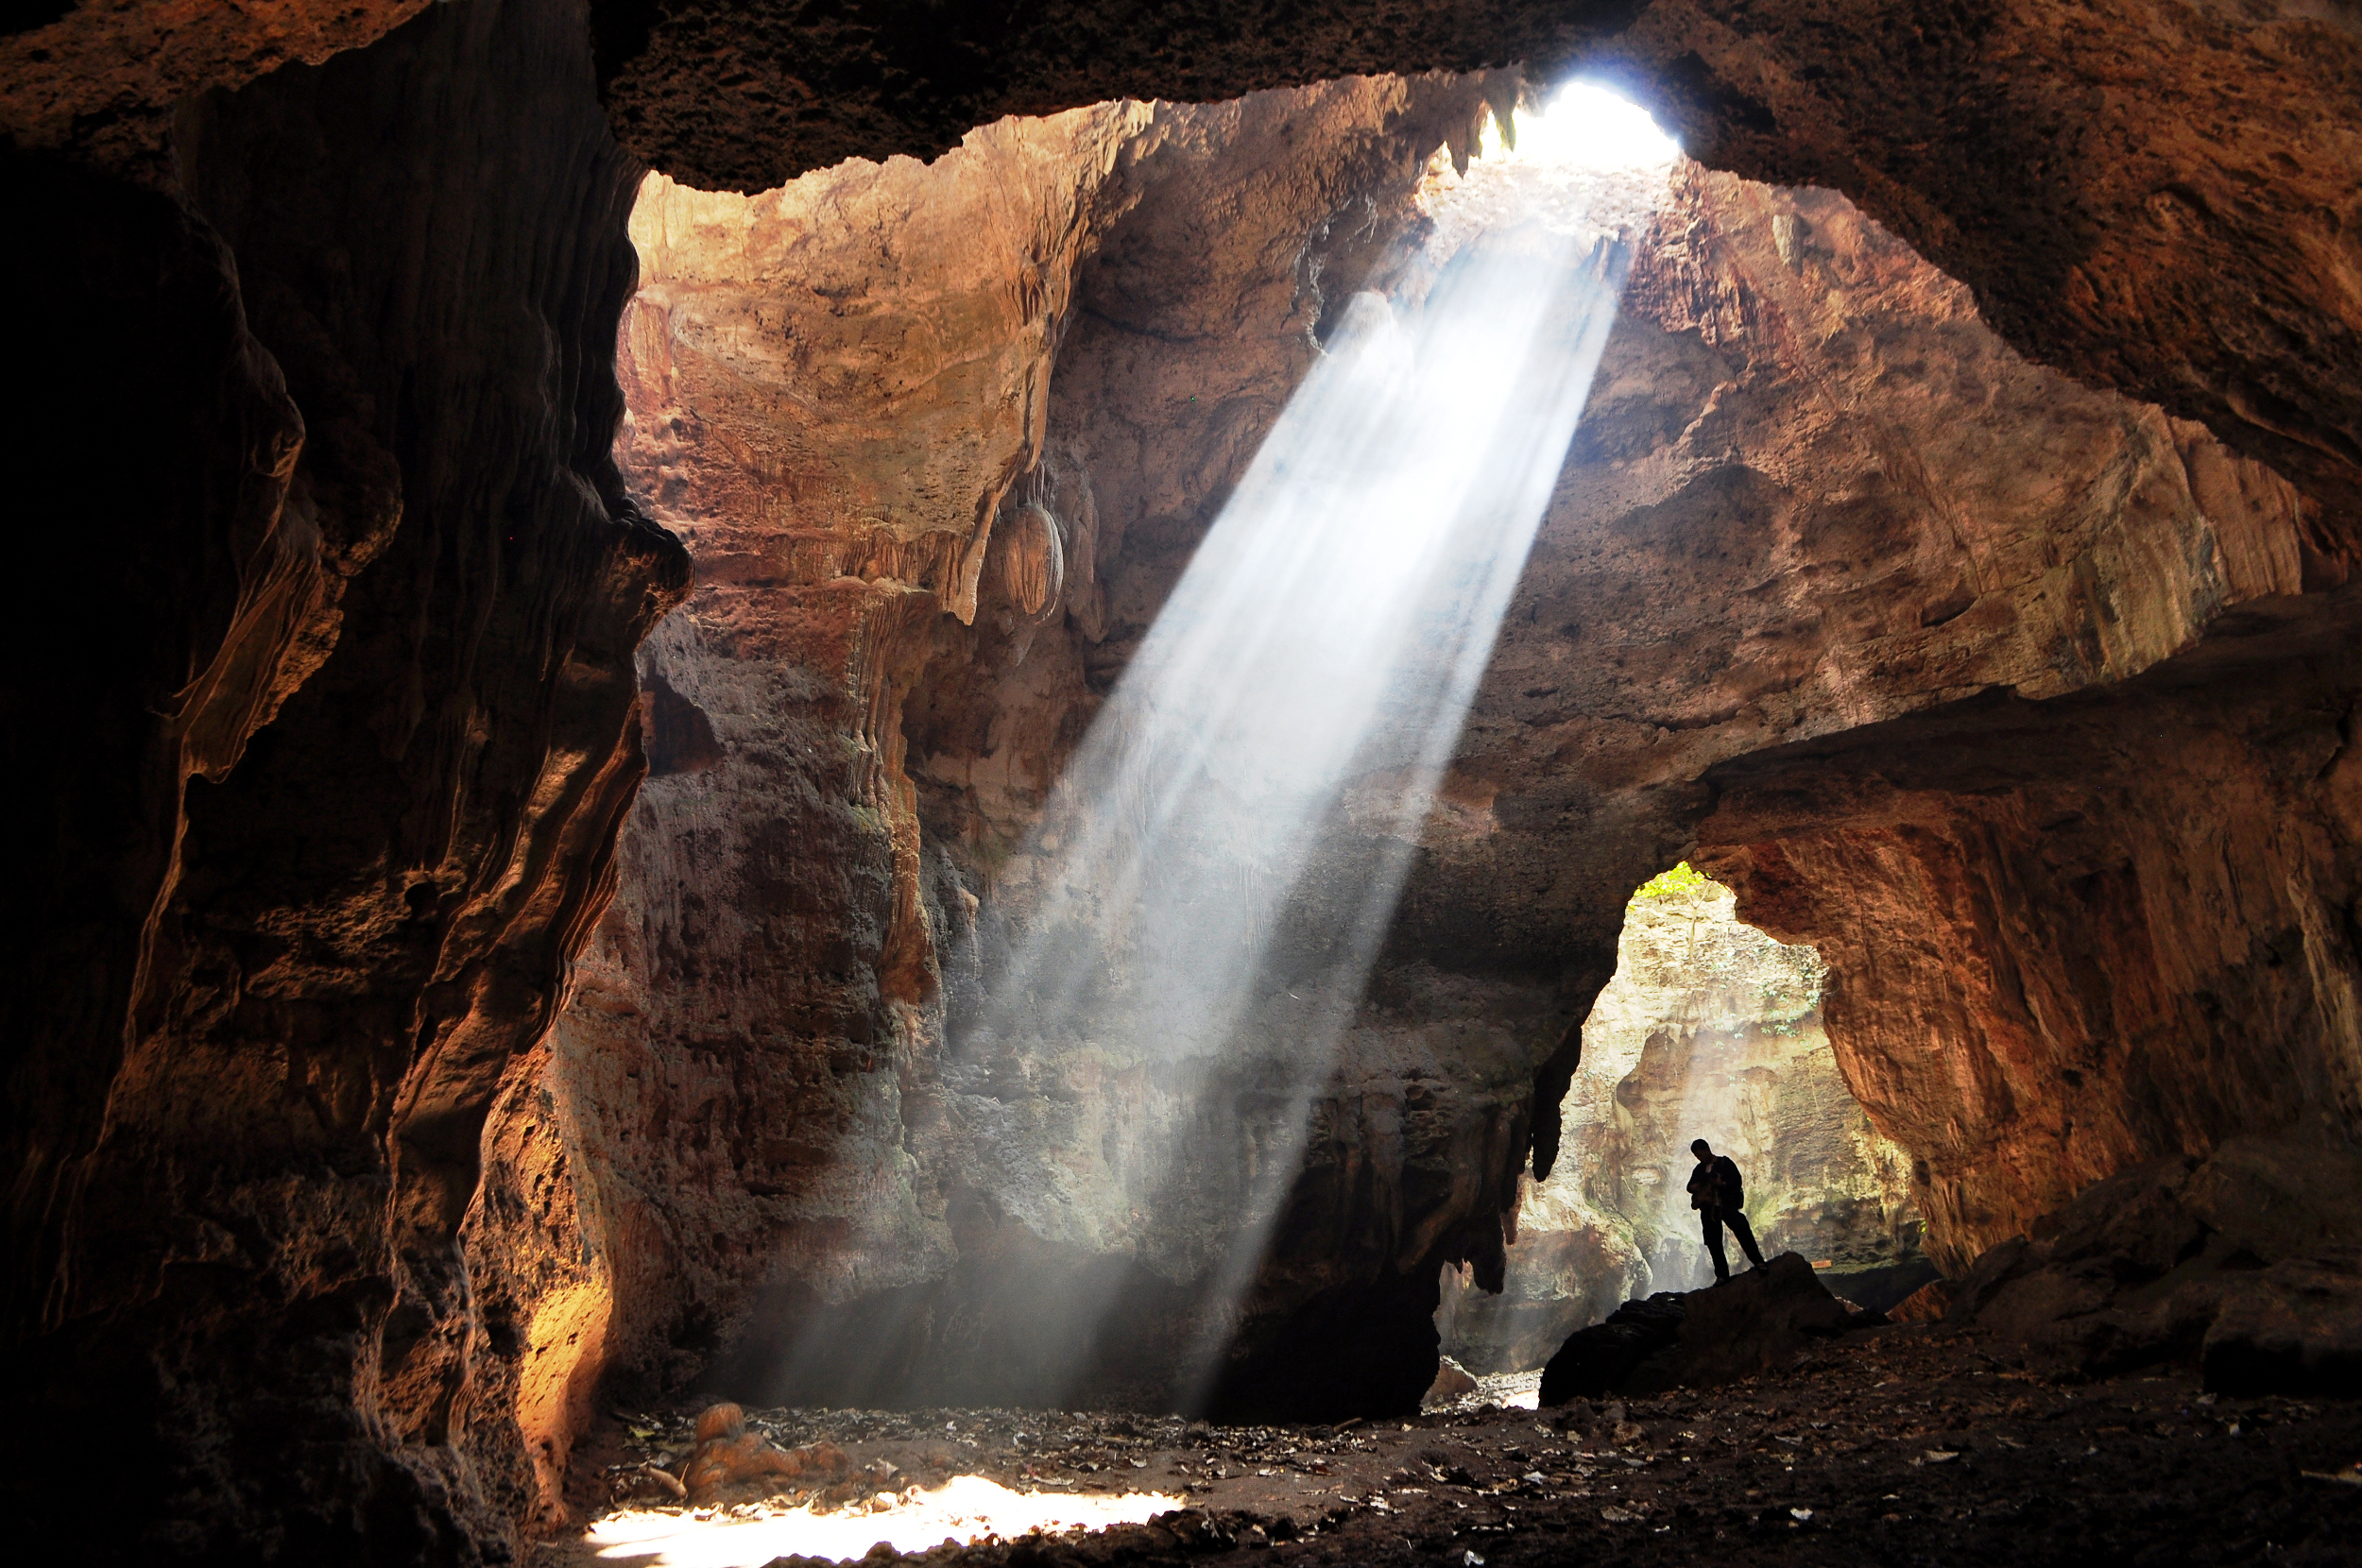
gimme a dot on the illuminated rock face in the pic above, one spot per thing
(1813, 493)
(863, 455)
(1711, 1029)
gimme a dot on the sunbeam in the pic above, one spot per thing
(1293, 706)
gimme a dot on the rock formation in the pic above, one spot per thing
(1757, 1321)
(1813, 493)
(1709, 1029)
(2248, 1262)
(2031, 706)
(345, 590)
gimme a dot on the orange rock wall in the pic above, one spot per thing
(2067, 939)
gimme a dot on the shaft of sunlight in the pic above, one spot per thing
(1201, 900)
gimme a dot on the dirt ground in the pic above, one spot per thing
(1894, 1446)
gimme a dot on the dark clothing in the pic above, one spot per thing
(1716, 1191)
(1715, 1219)
(1716, 1184)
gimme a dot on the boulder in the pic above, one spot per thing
(1603, 1356)
(1747, 1325)
(1925, 1304)
(1451, 1382)
(2248, 1263)
(1756, 1320)
(729, 1460)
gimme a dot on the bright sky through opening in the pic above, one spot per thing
(1584, 124)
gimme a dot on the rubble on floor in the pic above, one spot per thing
(1890, 1444)
(2248, 1263)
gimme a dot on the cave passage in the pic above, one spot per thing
(1709, 1028)
(1301, 692)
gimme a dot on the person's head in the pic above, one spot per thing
(1703, 1150)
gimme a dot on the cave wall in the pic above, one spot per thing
(2068, 938)
(834, 388)
(2157, 198)
(332, 768)
(1813, 493)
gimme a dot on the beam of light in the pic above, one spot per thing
(1201, 900)
(968, 1509)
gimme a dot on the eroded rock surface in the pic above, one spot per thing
(325, 811)
(2154, 198)
(331, 525)
(1813, 493)
(2248, 1263)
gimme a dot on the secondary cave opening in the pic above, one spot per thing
(1709, 1028)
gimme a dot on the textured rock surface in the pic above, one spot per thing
(2070, 937)
(99, 82)
(251, 1041)
(2156, 199)
(1759, 1321)
(1709, 1029)
(1813, 493)
(326, 811)
(776, 968)
(2249, 1262)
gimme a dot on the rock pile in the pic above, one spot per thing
(729, 1459)
(1754, 1322)
(2248, 1263)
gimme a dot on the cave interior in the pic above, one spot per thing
(1119, 715)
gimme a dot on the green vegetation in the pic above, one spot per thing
(1677, 882)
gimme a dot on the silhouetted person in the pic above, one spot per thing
(1716, 1192)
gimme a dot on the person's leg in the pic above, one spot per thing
(1746, 1234)
(1712, 1219)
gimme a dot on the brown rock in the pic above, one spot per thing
(1926, 1305)
(1451, 1382)
(2204, 1261)
(729, 1460)
(1760, 1320)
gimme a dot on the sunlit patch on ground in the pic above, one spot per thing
(967, 1509)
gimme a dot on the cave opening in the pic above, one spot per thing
(1709, 1029)
(1199, 605)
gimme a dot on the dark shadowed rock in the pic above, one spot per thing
(1753, 1322)
(1597, 1359)
(2249, 1262)
(1757, 1321)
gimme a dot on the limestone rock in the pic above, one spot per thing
(2196, 1261)
(1451, 1382)
(729, 1457)
(1713, 1030)
(1760, 1320)
(1606, 1356)
(1926, 1305)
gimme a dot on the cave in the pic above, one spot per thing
(601, 661)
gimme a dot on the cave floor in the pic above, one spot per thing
(1897, 1445)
